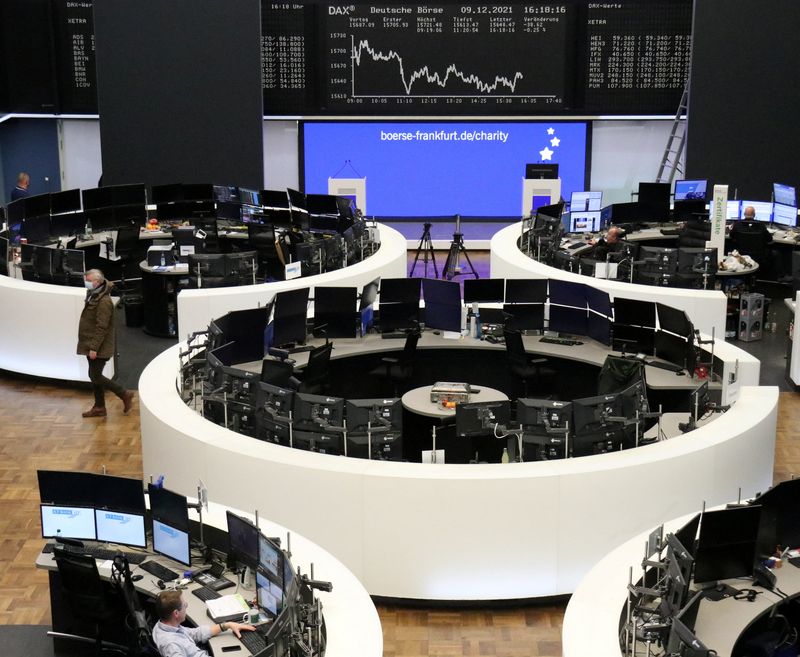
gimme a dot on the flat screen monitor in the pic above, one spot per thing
(634, 312)
(687, 534)
(269, 595)
(598, 327)
(297, 200)
(170, 523)
(786, 215)
(290, 317)
(673, 349)
(37, 206)
(590, 413)
(690, 190)
(780, 514)
(128, 194)
(619, 213)
(226, 194)
(275, 199)
(245, 329)
(762, 208)
(733, 210)
(553, 211)
(210, 265)
(673, 320)
(90, 489)
(586, 202)
(269, 557)
(570, 321)
(486, 290)
(442, 292)
(380, 414)
(171, 193)
(272, 397)
(481, 418)
(120, 527)
(682, 639)
(584, 222)
(696, 261)
(249, 197)
(320, 440)
(241, 266)
(784, 194)
(524, 316)
(398, 316)
(526, 290)
(36, 228)
(335, 307)
(543, 414)
(15, 213)
(443, 316)
(64, 225)
(317, 411)
(98, 197)
(541, 171)
(369, 294)
(566, 293)
(599, 301)
(653, 201)
(67, 201)
(68, 522)
(400, 290)
(726, 546)
(633, 339)
(243, 541)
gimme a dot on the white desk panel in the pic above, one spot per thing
(446, 532)
(705, 308)
(196, 308)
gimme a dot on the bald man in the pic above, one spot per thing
(21, 190)
(611, 243)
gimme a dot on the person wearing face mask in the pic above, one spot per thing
(96, 342)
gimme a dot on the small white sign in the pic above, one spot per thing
(428, 456)
(293, 270)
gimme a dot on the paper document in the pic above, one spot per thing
(227, 608)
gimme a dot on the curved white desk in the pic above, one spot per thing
(39, 325)
(705, 308)
(460, 532)
(196, 308)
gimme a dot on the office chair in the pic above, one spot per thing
(262, 238)
(88, 599)
(126, 243)
(209, 226)
(314, 376)
(399, 370)
(619, 373)
(521, 365)
(752, 238)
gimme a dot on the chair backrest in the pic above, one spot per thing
(127, 240)
(515, 349)
(81, 583)
(317, 367)
(750, 238)
(410, 348)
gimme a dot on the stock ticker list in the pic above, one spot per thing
(74, 38)
(285, 73)
(638, 56)
(449, 58)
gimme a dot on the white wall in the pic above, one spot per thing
(623, 153)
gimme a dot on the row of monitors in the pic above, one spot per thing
(779, 213)
(46, 264)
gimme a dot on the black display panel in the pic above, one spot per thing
(76, 71)
(634, 312)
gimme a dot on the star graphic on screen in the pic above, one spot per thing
(551, 131)
(554, 142)
(546, 154)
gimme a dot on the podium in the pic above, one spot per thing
(355, 188)
(532, 187)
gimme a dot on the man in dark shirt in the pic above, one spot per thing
(611, 243)
(21, 190)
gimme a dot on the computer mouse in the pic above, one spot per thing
(136, 578)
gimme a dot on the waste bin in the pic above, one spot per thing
(134, 310)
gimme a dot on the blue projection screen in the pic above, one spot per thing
(418, 169)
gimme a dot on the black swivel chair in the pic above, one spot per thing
(752, 238)
(399, 370)
(88, 599)
(124, 248)
(523, 366)
(314, 376)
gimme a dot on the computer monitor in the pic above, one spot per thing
(682, 639)
(726, 546)
(68, 522)
(89, 489)
(544, 427)
(320, 440)
(598, 301)
(378, 414)
(243, 541)
(786, 215)
(120, 527)
(687, 534)
(584, 222)
(674, 320)
(566, 293)
(269, 557)
(784, 194)
(526, 290)
(552, 212)
(484, 290)
(733, 211)
(67, 201)
(170, 524)
(653, 201)
(481, 418)
(598, 327)
(674, 349)
(276, 372)
(240, 385)
(634, 312)
(696, 261)
(317, 411)
(274, 199)
(571, 321)
(762, 208)
(541, 171)
(690, 190)
(678, 577)
(241, 267)
(597, 425)
(268, 594)
(245, 328)
(290, 317)
(275, 400)
(585, 202)
(36, 228)
(98, 197)
(37, 206)
(335, 307)
(186, 242)
(442, 304)
(780, 515)
(400, 290)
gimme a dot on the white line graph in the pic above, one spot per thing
(451, 72)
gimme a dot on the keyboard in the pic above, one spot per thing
(670, 367)
(253, 641)
(394, 335)
(98, 552)
(562, 341)
(157, 570)
(205, 593)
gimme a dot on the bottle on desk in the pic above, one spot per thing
(88, 228)
(504, 458)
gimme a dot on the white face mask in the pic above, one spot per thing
(89, 285)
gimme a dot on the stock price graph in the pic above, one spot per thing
(447, 58)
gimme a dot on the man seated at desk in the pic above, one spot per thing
(611, 243)
(173, 639)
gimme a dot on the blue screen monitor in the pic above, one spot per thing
(784, 194)
(586, 202)
(786, 215)
(690, 190)
(733, 210)
(584, 222)
(762, 208)
(270, 595)
(120, 527)
(68, 522)
(269, 556)
(171, 542)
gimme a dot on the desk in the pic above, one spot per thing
(422, 531)
(705, 308)
(419, 401)
(353, 626)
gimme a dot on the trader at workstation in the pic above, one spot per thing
(611, 243)
(96, 342)
(173, 639)
(21, 190)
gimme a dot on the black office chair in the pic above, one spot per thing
(209, 226)
(619, 373)
(88, 598)
(399, 370)
(262, 239)
(314, 376)
(752, 238)
(124, 248)
(523, 366)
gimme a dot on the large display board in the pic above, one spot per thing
(426, 59)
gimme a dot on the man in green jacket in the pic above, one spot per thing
(96, 342)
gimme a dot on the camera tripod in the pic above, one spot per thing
(452, 266)
(425, 248)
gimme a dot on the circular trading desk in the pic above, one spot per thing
(461, 532)
(196, 308)
(419, 401)
(705, 308)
